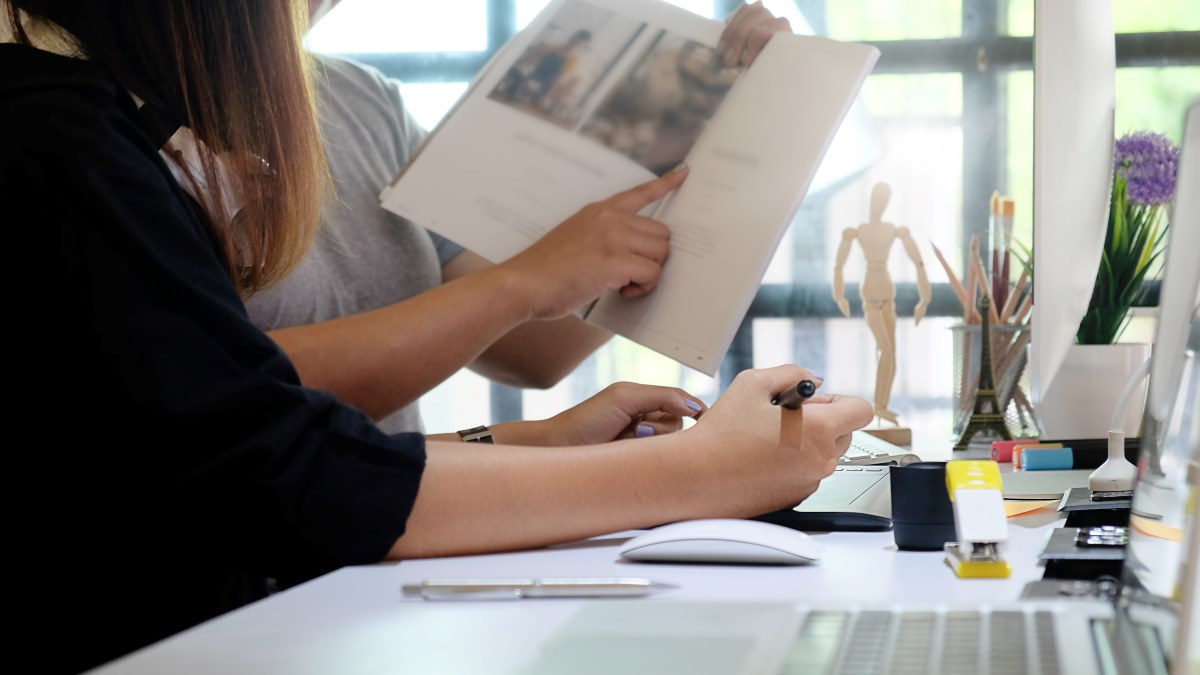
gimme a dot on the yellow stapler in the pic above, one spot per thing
(980, 523)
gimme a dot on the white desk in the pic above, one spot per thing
(356, 621)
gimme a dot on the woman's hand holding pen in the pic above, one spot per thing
(793, 397)
(792, 450)
(743, 457)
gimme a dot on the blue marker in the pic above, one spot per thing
(1047, 459)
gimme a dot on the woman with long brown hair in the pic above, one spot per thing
(159, 158)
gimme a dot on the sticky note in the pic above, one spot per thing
(1155, 528)
(1014, 508)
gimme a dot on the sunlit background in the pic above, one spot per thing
(945, 120)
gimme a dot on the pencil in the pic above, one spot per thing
(1012, 352)
(996, 245)
(973, 278)
(955, 284)
(1007, 210)
(972, 287)
(1026, 305)
(993, 313)
(1010, 304)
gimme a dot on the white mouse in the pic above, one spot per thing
(721, 540)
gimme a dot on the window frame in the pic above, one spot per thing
(982, 55)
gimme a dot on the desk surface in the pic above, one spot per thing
(356, 621)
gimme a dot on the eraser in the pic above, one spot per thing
(1002, 451)
(1047, 459)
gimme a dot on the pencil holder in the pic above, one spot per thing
(1010, 358)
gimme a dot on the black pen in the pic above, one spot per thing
(792, 398)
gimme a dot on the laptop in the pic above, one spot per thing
(1148, 624)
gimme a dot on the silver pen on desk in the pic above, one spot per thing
(517, 588)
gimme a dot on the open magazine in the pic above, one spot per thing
(594, 98)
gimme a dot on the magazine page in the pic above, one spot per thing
(592, 99)
(566, 114)
(749, 172)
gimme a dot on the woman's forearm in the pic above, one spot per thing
(743, 457)
(382, 360)
(493, 498)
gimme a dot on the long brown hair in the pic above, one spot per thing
(235, 73)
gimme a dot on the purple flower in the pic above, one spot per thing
(1148, 162)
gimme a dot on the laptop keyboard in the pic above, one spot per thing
(924, 643)
(867, 449)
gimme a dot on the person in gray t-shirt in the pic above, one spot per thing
(366, 258)
(357, 318)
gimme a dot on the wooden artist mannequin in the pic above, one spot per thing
(877, 291)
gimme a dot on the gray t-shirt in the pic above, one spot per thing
(364, 257)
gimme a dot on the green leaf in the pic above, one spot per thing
(1115, 239)
(1153, 240)
(1106, 281)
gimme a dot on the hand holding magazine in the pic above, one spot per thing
(593, 99)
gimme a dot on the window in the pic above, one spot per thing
(945, 120)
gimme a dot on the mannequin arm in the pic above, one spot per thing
(839, 283)
(924, 291)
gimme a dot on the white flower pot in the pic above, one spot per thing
(1081, 398)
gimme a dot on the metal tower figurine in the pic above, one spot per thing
(987, 415)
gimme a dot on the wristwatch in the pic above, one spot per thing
(480, 434)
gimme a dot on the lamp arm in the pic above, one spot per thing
(1118, 418)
